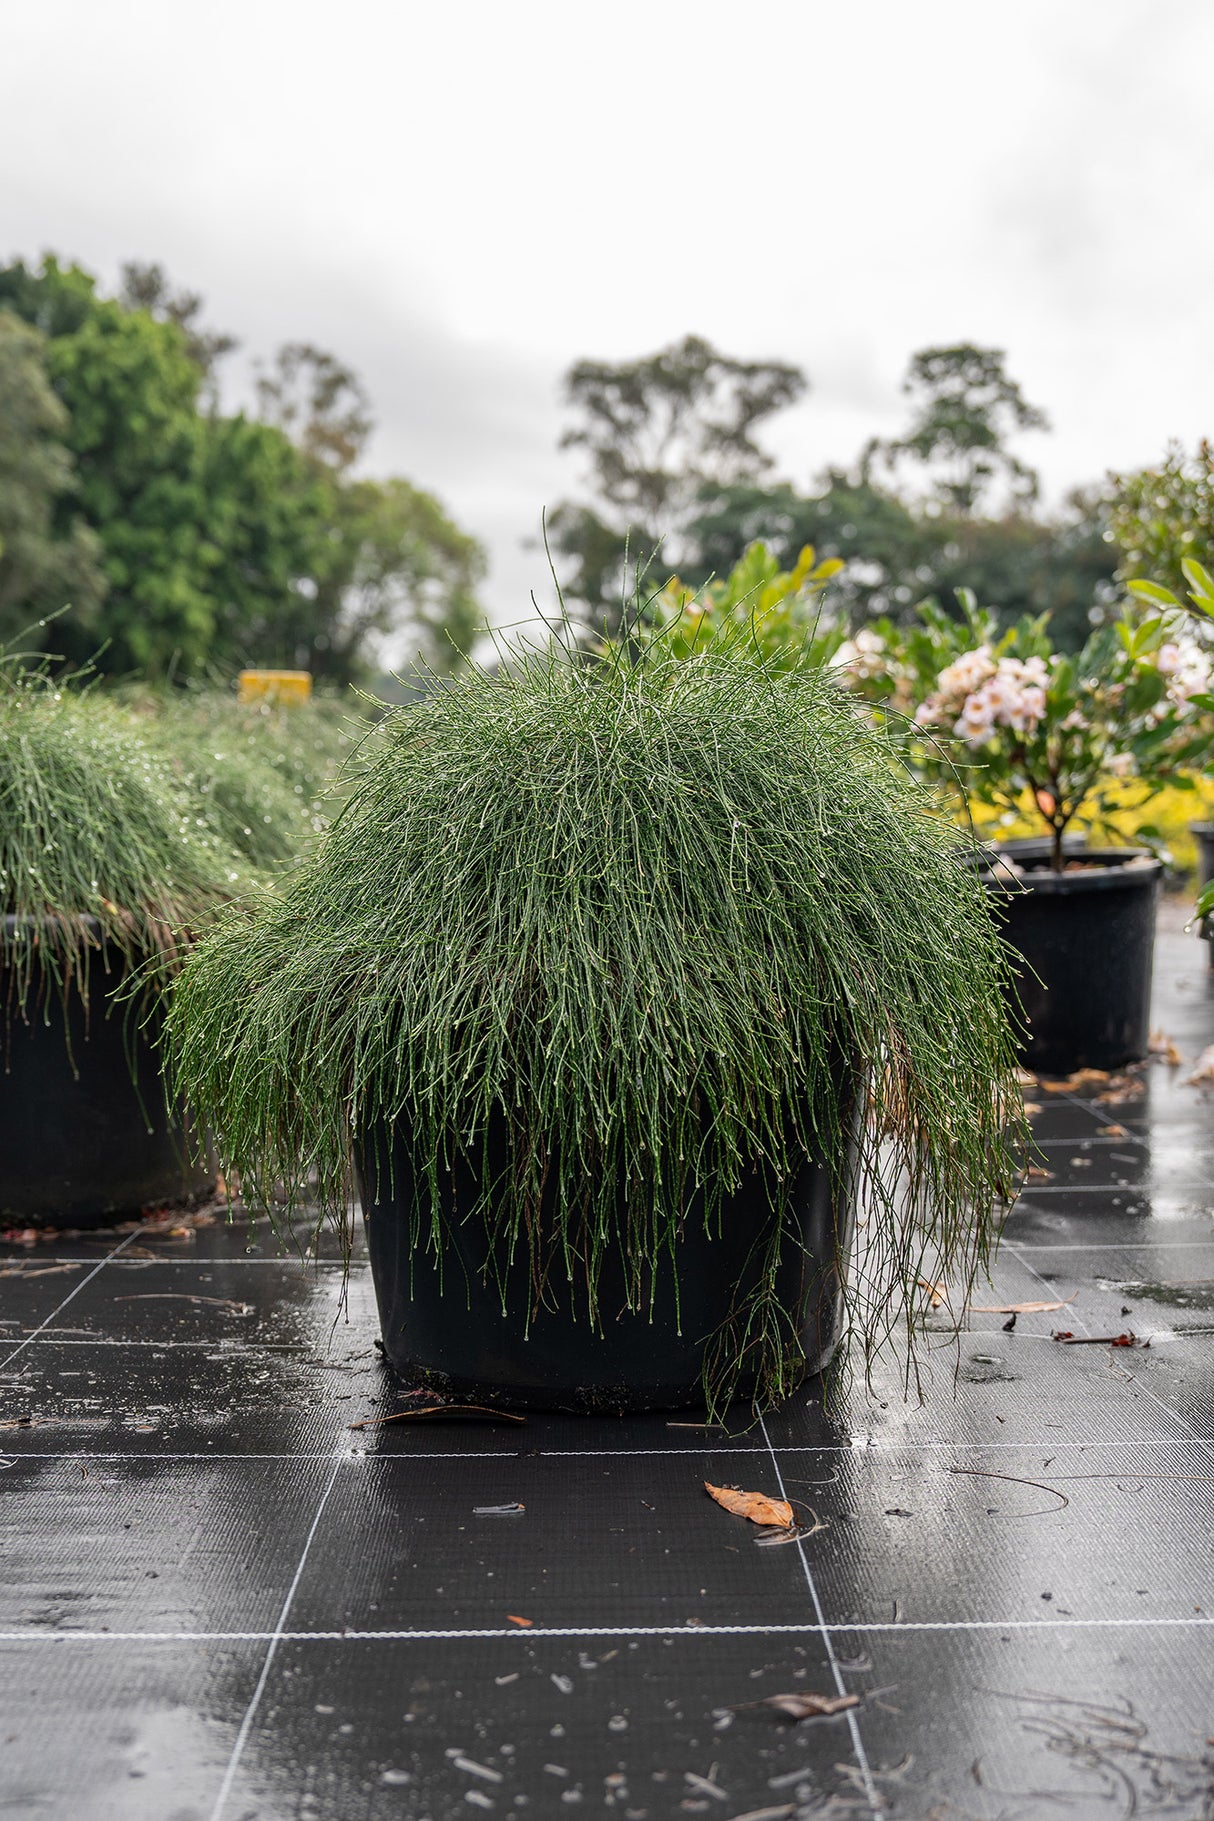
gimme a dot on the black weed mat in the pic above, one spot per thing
(221, 1602)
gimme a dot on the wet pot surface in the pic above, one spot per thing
(469, 1335)
(1085, 939)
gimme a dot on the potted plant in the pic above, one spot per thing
(608, 992)
(1016, 727)
(107, 864)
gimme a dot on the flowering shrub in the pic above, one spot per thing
(1185, 663)
(1004, 718)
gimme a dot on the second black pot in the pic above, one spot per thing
(447, 1328)
(1203, 833)
(1086, 938)
(85, 1137)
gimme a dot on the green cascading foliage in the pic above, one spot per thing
(635, 910)
(103, 853)
(126, 824)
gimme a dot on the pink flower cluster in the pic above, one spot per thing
(983, 692)
(1187, 669)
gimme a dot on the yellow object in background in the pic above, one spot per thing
(277, 686)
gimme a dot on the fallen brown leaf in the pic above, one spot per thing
(807, 1706)
(1016, 1308)
(1080, 1078)
(937, 1292)
(1031, 1107)
(1124, 1089)
(1165, 1048)
(1035, 1173)
(515, 1620)
(1113, 1131)
(1203, 1069)
(753, 1505)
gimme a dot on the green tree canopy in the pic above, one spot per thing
(897, 555)
(1163, 516)
(48, 555)
(214, 541)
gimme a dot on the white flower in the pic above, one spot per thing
(1121, 765)
(966, 674)
(860, 658)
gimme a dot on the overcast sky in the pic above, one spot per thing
(462, 199)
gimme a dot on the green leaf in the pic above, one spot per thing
(1199, 579)
(1152, 591)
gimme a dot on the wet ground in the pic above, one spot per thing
(220, 1601)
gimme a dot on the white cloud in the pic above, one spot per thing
(462, 200)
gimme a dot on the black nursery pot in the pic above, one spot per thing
(82, 1144)
(447, 1329)
(1203, 833)
(1087, 939)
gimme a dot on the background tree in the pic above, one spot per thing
(215, 540)
(966, 407)
(902, 546)
(400, 578)
(319, 402)
(130, 391)
(1163, 516)
(147, 287)
(657, 430)
(48, 556)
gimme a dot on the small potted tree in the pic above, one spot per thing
(611, 989)
(107, 864)
(1015, 728)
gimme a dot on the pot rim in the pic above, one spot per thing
(1114, 874)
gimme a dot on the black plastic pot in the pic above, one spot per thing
(85, 1139)
(1086, 938)
(1203, 833)
(446, 1328)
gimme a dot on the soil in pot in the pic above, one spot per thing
(1086, 938)
(477, 1339)
(85, 1137)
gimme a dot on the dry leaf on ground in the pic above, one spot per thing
(1016, 1308)
(1165, 1049)
(1123, 1088)
(753, 1505)
(1113, 1131)
(1203, 1069)
(809, 1706)
(1081, 1078)
(937, 1292)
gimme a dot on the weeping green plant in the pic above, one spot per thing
(264, 776)
(635, 913)
(103, 850)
